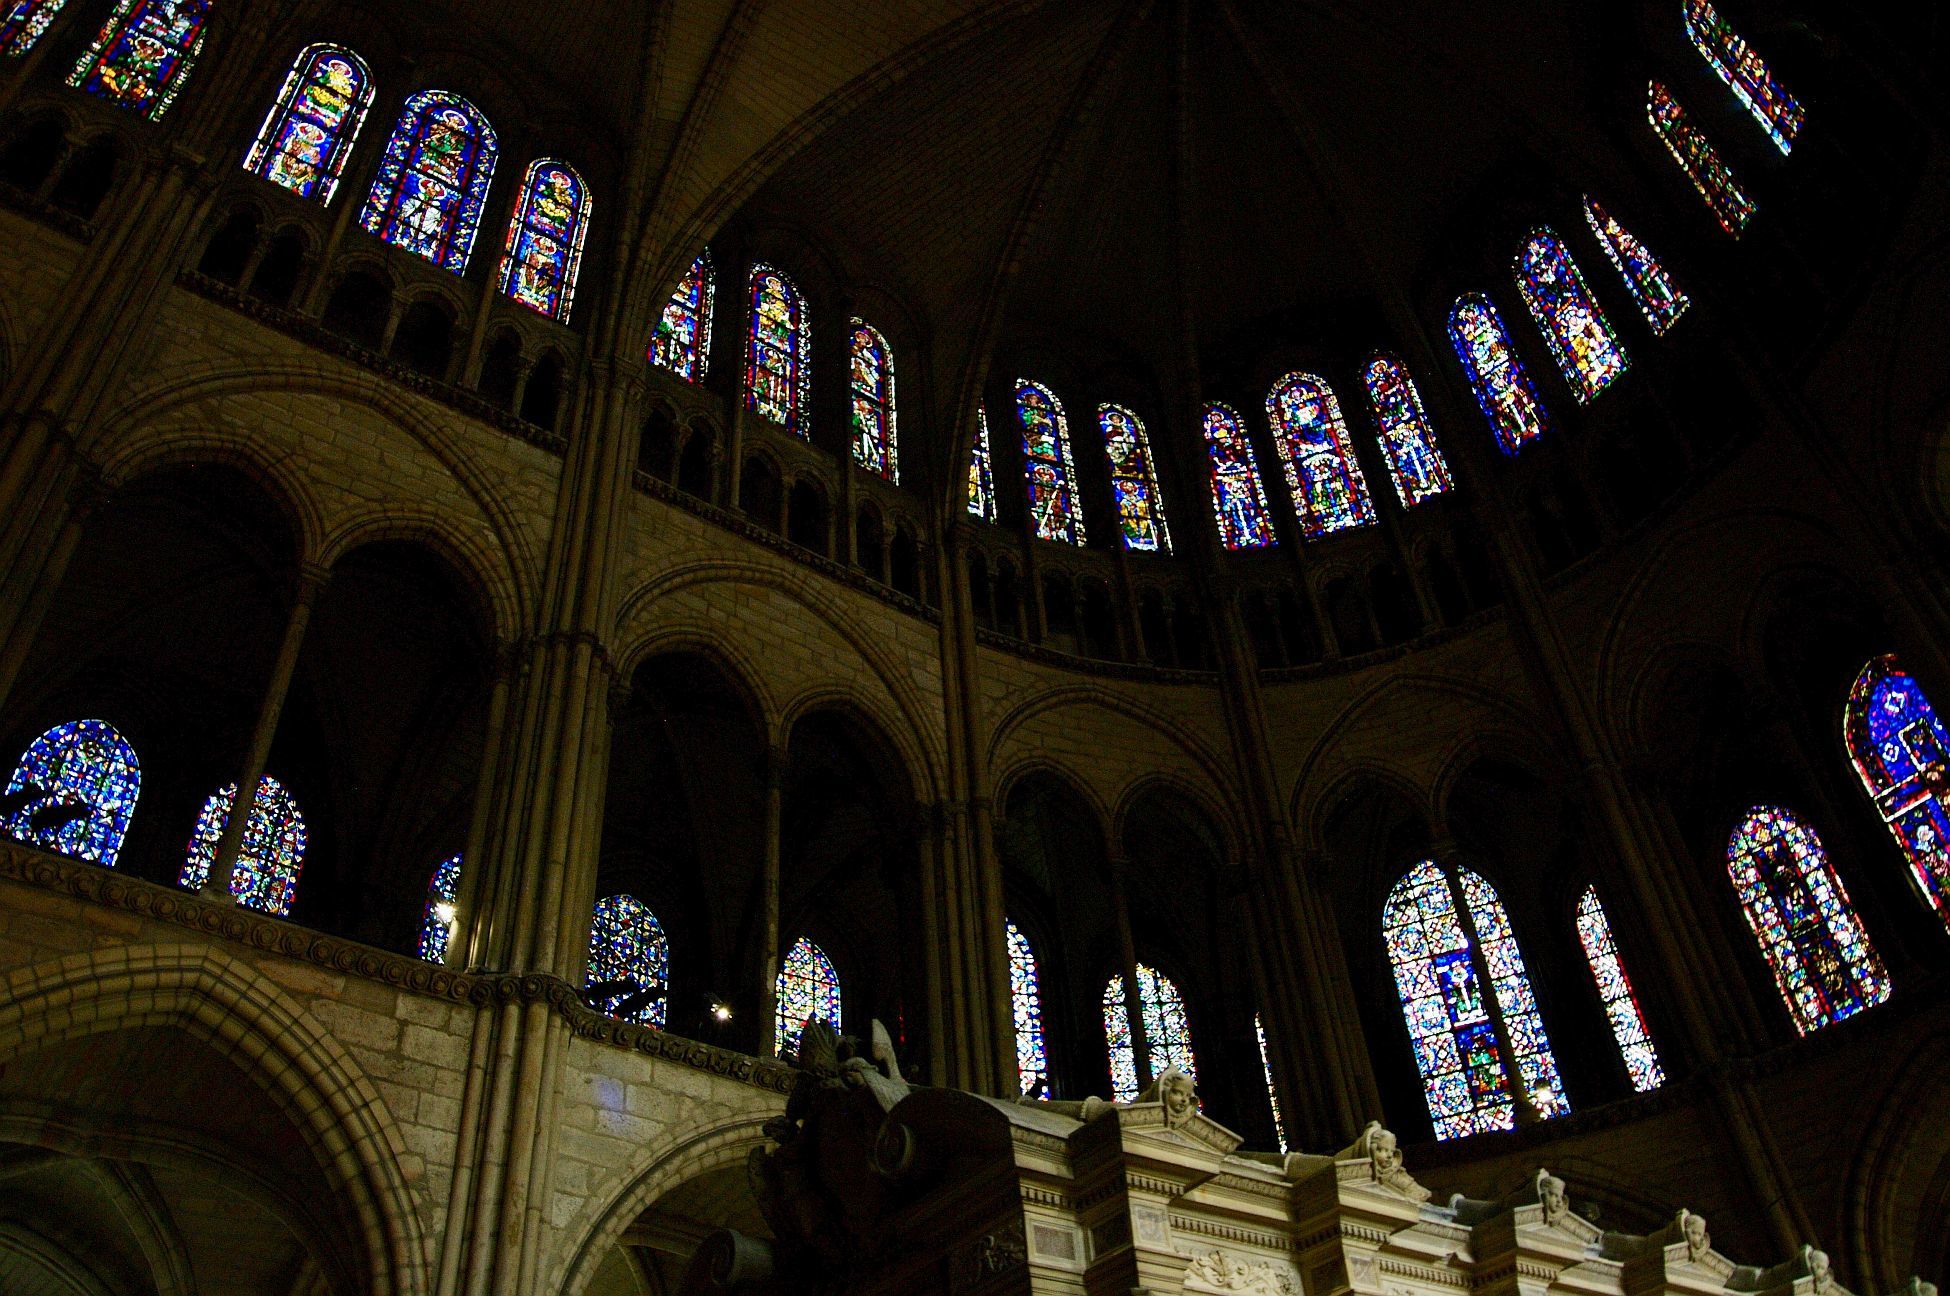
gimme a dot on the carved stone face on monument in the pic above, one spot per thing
(1693, 1228)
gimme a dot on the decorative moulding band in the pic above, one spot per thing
(35, 868)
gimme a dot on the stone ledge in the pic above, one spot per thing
(31, 867)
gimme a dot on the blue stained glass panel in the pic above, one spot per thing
(875, 445)
(543, 252)
(74, 791)
(1026, 1000)
(270, 857)
(777, 379)
(1580, 337)
(1746, 73)
(1329, 493)
(1407, 440)
(1134, 480)
(309, 132)
(682, 342)
(438, 920)
(1167, 1034)
(1615, 989)
(1238, 498)
(1503, 388)
(1901, 752)
(1652, 287)
(808, 989)
(1051, 471)
(24, 24)
(627, 949)
(433, 179)
(981, 472)
(144, 53)
(1697, 157)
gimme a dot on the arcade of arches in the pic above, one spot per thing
(570, 571)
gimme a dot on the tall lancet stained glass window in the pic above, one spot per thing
(1502, 385)
(1167, 1034)
(777, 380)
(1580, 337)
(1049, 468)
(1746, 73)
(310, 130)
(543, 251)
(1407, 441)
(144, 53)
(1698, 158)
(74, 791)
(440, 916)
(433, 179)
(682, 342)
(629, 960)
(876, 446)
(808, 988)
(25, 23)
(272, 853)
(1820, 956)
(981, 471)
(1651, 284)
(1329, 493)
(1272, 1090)
(1134, 480)
(1440, 937)
(1615, 989)
(1238, 498)
(1901, 751)
(1026, 998)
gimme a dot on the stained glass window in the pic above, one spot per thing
(144, 53)
(1503, 388)
(543, 252)
(1821, 958)
(437, 922)
(1051, 472)
(981, 472)
(1580, 337)
(1238, 499)
(74, 791)
(776, 375)
(682, 342)
(433, 180)
(808, 988)
(1134, 480)
(1167, 1036)
(1439, 973)
(1407, 440)
(875, 445)
(1615, 988)
(1026, 997)
(1901, 751)
(24, 23)
(310, 130)
(1698, 159)
(272, 853)
(1746, 74)
(1272, 1090)
(1652, 287)
(1329, 493)
(629, 955)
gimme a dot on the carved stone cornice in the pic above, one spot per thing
(28, 866)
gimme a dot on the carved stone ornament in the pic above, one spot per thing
(1384, 1153)
(996, 1253)
(1692, 1228)
(1174, 1089)
(1226, 1272)
(1552, 1197)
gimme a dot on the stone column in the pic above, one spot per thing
(768, 904)
(312, 580)
(1133, 993)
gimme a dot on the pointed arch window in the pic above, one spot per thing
(1167, 1034)
(1587, 351)
(1050, 470)
(1238, 498)
(272, 853)
(1442, 930)
(1272, 1090)
(312, 126)
(1901, 752)
(1820, 955)
(1502, 385)
(1746, 73)
(74, 791)
(1329, 493)
(143, 54)
(682, 342)
(875, 443)
(1652, 286)
(1698, 158)
(543, 251)
(1615, 989)
(1407, 440)
(1026, 998)
(777, 382)
(25, 23)
(981, 471)
(629, 961)
(808, 989)
(1134, 480)
(438, 919)
(433, 179)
